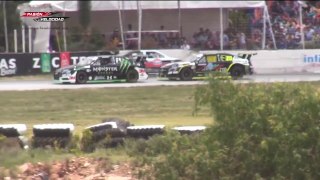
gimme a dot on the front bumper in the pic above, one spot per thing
(168, 73)
(62, 78)
(143, 76)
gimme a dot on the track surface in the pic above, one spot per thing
(48, 84)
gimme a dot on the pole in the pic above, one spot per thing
(301, 26)
(5, 25)
(221, 30)
(15, 40)
(270, 29)
(264, 28)
(64, 29)
(23, 39)
(179, 19)
(30, 39)
(140, 23)
(58, 41)
(121, 25)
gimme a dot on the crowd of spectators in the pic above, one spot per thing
(285, 19)
(285, 26)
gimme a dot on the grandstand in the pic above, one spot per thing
(292, 25)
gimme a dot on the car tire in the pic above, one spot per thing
(132, 76)
(81, 77)
(237, 72)
(186, 74)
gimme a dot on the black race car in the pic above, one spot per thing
(102, 69)
(235, 65)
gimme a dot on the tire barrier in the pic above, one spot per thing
(189, 129)
(145, 131)
(109, 133)
(14, 133)
(54, 135)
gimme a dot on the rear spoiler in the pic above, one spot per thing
(246, 55)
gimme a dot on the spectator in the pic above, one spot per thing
(162, 37)
(242, 40)
(185, 44)
(115, 38)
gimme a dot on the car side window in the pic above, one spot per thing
(212, 58)
(158, 55)
(149, 55)
(97, 62)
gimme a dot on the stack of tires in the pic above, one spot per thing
(15, 133)
(110, 133)
(189, 129)
(53, 135)
(145, 131)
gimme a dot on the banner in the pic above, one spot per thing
(12, 64)
(45, 63)
(64, 59)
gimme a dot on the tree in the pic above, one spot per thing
(13, 22)
(84, 9)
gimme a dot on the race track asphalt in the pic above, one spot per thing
(48, 84)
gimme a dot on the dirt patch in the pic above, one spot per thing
(75, 168)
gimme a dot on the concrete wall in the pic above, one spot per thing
(271, 62)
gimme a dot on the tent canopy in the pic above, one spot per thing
(72, 6)
(132, 5)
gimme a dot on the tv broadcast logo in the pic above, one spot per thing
(45, 16)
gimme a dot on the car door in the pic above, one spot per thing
(212, 62)
(96, 70)
(111, 68)
(201, 65)
(224, 61)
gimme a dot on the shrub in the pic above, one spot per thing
(261, 131)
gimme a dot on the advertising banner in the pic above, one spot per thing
(64, 59)
(12, 64)
(45, 63)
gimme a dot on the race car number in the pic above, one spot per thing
(226, 58)
(109, 77)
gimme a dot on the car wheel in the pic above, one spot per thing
(237, 72)
(81, 77)
(186, 74)
(132, 76)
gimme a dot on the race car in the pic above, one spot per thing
(153, 58)
(107, 68)
(236, 65)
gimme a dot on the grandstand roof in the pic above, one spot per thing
(132, 5)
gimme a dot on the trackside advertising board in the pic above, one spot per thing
(12, 64)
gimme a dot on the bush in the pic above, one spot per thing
(261, 131)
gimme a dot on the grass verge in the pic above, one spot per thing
(166, 105)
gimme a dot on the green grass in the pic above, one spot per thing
(141, 105)
(166, 105)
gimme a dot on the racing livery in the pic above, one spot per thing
(235, 65)
(101, 69)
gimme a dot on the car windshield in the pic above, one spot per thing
(194, 57)
(86, 61)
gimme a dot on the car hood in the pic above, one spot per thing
(180, 64)
(73, 67)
